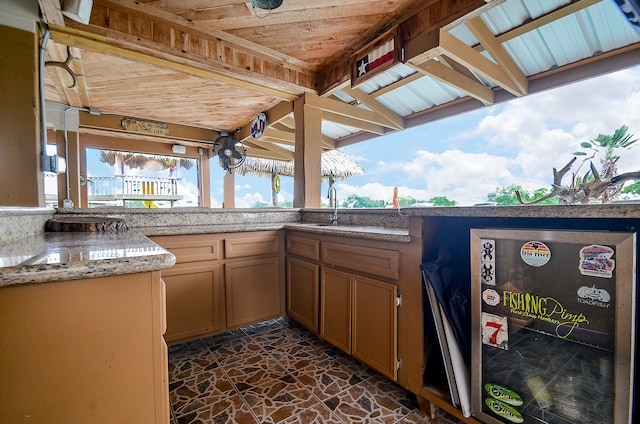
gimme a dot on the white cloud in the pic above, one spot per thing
(248, 200)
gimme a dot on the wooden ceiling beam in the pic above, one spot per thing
(279, 136)
(78, 95)
(274, 149)
(457, 80)
(134, 51)
(149, 34)
(540, 21)
(51, 12)
(290, 13)
(347, 110)
(397, 84)
(394, 120)
(467, 56)
(499, 54)
(352, 122)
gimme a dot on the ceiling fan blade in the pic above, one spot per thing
(236, 154)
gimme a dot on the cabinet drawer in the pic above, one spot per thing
(192, 248)
(252, 244)
(370, 260)
(304, 247)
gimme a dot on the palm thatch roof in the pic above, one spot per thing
(140, 160)
(334, 164)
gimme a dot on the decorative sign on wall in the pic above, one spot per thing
(377, 57)
(145, 127)
(258, 125)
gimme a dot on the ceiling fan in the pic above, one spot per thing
(230, 151)
(266, 4)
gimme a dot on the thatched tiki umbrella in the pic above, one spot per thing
(334, 165)
(141, 160)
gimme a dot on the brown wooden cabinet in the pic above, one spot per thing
(302, 292)
(374, 338)
(359, 315)
(303, 280)
(355, 304)
(195, 300)
(84, 351)
(222, 281)
(253, 291)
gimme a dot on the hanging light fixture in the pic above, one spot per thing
(266, 4)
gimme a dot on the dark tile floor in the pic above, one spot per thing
(276, 372)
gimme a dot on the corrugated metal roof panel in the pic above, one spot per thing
(591, 31)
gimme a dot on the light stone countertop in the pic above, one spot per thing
(398, 235)
(48, 257)
(27, 258)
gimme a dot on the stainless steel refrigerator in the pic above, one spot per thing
(553, 316)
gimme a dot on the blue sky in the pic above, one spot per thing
(465, 157)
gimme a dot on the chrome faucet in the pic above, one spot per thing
(333, 201)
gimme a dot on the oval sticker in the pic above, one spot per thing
(535, 253)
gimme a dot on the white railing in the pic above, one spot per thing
(126, 187)
(131, 185)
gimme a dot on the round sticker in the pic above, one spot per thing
(258, 125)
(491, 297)
(535, 253)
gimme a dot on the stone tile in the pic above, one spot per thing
(182, 367)
(199, 391)
(317, 414)
(364, 403)
(281, 336)
(277, 400)
(231, 410)
(237, 349)
(276, 372)
(250, 371)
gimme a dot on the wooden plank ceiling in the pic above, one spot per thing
(217, 63)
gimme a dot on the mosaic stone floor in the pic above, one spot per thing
(275, 372)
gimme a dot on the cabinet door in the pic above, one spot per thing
(375, 325)
(302, 292)
(335, 304)
(195, 300)
(252, 291)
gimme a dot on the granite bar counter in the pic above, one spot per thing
(48, 257)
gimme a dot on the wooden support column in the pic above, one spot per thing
(229, 191)
(205, 175)
(308, 147)
(23, 181)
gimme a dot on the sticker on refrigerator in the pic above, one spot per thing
(595, 261)
(504, 410)
(488, 262)
(535, 253)
(495, 331)
(491, 297)
(503, 393)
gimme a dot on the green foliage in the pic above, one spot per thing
(262, 205)
(282, 204)
(506, 196)
(442, 201)
(608, 145)
(633, 189)
(354, 201)
(405, 201)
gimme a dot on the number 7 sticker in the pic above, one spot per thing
(495, 331)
